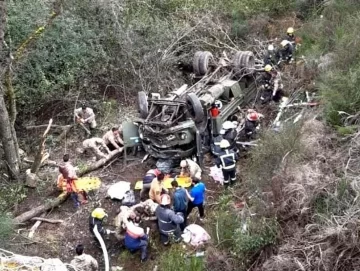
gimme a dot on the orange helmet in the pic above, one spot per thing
(253, 116)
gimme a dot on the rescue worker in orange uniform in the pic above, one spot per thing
(68, 172)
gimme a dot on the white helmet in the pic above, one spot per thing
(165, 199)
(183, 163)
(228, 125)
(224, 144)
(271, 47)
(284, 43)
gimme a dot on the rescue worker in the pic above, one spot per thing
(271, 85)
(85, 115)
(147, 180)
(96, 220)
(272, 56)
(286, 51)
(290, 35)
(113, 140)
(168, 221)
(157, 188)
(196, 197)
(251, 123)
(68, 172)
(136, 239)
(215, 145)
(229, 133)
(84, 262)
(190, 168)
(180, 202)
(94, 144)
(227, 162)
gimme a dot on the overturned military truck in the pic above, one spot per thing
(179, 124)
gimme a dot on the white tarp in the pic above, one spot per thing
(118, 190)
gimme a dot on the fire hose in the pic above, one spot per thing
(103, 247)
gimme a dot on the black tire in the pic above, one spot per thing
(201, 62)
(143, 104)
(244, 62)
(195, 108)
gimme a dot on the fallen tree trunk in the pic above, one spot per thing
(35, 227)
(52, 221)
(100, 163)
(40, 209)
(60, 199)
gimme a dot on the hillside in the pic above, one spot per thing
(295, 204)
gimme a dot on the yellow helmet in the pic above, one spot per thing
(268, 68)
(98, 213)
(290, 30)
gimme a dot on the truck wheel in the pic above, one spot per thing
(244, 62)
(201, 62)
(195, 108)
(143, 104)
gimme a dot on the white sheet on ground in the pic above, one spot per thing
(196, 235)
(118, 190)
(217, 175)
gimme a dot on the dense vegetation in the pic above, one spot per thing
(299, 183)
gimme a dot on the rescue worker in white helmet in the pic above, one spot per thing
(229, 133)
(215, 145)
(227, 162)
(271, 85)
(96, 221)
(286, 51)
(252, 123)
(168, 221)
(271, 56)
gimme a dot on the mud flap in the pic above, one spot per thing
(103, 247)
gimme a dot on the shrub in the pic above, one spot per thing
(6, 227)
(175, 258)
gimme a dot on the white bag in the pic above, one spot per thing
(217, 175)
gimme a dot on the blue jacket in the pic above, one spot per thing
(167, 219)
(180, 200)
(198, 193)
(133, 242)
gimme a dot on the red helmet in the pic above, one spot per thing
(253, 116)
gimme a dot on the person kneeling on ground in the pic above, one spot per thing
(196, 197)
(84, 262)
(113, 140)
(157, 188)
(85, 115)
(147, 180)
(136, 239)
(168, 221)
(190, 168)
(94, 144)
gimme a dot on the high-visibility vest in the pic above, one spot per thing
(228, 161)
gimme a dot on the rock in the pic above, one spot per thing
(31, 179)
(116, 268)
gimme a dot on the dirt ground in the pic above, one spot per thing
(59, 240)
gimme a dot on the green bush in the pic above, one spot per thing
(175, 258)
(6, 227)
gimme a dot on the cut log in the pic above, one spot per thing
(100, 163)
(35, 226)
(52, 221)
(40, 209)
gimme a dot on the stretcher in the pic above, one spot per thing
(182, 181)
(82, 184)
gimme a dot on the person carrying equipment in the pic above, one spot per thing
(227, 162)
(252, 123)
(190, 168)
(68, 172)
(136, 239)
(168, 221)
(85, 115)
(271, 85)
(96, 220)
(94, 144)
(147, 180)
(113, 140)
